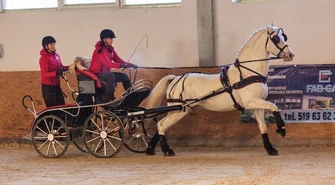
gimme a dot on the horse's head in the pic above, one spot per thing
(276, 43)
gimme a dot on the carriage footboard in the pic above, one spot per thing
(159, 110)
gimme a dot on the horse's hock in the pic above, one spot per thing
(204, 128)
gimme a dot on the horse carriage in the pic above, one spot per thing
(102, 129)
(98, 128)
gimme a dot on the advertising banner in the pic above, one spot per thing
(303, 93)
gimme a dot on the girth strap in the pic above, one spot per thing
(249, 80)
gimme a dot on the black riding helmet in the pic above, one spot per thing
(107, 33)
(48, 40)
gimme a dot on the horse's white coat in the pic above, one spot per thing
(250, 97)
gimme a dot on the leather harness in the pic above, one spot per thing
(226, 86)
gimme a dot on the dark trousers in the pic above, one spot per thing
(109, 80)
(52, 95)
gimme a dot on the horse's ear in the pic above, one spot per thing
(272, 24)
(269, 28)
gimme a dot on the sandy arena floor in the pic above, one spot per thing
(205, 166)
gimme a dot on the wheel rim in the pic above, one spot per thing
(103, 134)
(50, 136)
(77, 140)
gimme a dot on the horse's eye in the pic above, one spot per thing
(275, 39)
(285, 36)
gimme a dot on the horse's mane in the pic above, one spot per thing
(246, 42)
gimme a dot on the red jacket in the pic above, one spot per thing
(49, 64)
(107, 59)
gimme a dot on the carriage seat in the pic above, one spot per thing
(87, 82)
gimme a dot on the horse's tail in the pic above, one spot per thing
(157, 94)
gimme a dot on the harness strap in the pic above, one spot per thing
(249, 80)
(176, 83)
(236, 105)
(237, 64)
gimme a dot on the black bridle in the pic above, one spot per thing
(276, 40)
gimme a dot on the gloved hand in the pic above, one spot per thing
(133, 66)
(123, 66)
(60, 71)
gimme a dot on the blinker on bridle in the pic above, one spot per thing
(276, 39)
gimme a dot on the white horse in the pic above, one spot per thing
(243, 85)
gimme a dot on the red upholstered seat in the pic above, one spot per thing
(91, 75)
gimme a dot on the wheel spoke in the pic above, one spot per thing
(91, 131)
(53, 146)
(60, 144)
(59, 128)
(96, 148)
(42, 130)
(116, 138)
(53, 124)
(115, 129)
(47, 126)
(39, 148)
(96, 124)
(105, 148)
(111, 144)
(145, 142)
(47, 154)
(40, 137)
(130, 140)
(93, 139)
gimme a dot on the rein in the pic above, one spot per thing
(237, 64)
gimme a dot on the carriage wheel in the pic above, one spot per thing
(138, 134)
(50, 136)
(77, 138)
(103, 134)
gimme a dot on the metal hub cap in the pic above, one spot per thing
(51, 137)
(103, 134)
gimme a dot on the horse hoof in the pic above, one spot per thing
(272, 152)
(169, 153)
(281, 132)
(150, 151)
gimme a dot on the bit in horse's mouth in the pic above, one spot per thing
(287, 58)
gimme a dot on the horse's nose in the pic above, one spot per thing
(291, 55)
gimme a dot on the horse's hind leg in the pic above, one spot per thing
(163, 125)
(259, 115)
(152, 145)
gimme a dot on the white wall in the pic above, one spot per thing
(309, 25)
(172, 32)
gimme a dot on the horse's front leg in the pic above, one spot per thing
(258, 103)
(280, 124)
(259, 115)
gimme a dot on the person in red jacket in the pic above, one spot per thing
(51, 68)
(104, 58)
